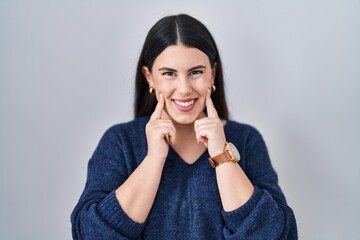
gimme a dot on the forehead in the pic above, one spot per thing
(181, 57)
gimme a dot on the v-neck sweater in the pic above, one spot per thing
(187, 204)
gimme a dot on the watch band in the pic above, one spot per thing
(219, 159)
(230, 154)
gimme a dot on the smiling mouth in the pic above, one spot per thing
(185, 105)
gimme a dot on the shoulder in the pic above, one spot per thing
(127, 131)
(132, 127)
(241, 131)
(250, 143)
(244, 136)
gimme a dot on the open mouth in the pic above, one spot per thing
(185, 105)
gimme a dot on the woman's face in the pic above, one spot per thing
(184, 75)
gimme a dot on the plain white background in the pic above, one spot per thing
(67, 74)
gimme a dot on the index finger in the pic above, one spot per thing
(158, 109)
(211, 111)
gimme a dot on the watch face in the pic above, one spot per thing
(234, 151)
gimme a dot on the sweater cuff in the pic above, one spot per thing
(235, 217)
(110, 210)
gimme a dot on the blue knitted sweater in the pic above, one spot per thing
(187, 204)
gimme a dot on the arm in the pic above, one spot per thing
(234, 186)
(137, 194)
(98, 213)
(254, 205)
(105, 212)
(266, 214)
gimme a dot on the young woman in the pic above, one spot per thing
(181, 169)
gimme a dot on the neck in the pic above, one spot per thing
(184, 131)
(186, 144)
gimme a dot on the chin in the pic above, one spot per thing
(184, 121)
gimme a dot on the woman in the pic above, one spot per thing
(181, 169)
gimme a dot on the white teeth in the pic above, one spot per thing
(184, 104)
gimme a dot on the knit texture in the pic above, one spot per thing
(187, 204)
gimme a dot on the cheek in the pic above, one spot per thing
(167, 94)
(203, 88)
(202, 96)
(162, 86)
(204, 83)
(203, 91)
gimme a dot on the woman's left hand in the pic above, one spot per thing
(209, 130)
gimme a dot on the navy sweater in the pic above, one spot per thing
(187, 204)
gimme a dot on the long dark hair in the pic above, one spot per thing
(169, 31)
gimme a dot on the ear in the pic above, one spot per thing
(147, 74)
(213, 72)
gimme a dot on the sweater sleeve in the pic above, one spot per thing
(98, 214)
(266, 214)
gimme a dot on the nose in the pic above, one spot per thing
(184, 86)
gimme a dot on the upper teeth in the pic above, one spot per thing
(184, 104)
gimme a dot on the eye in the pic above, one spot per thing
(168, 74)
(196, 73)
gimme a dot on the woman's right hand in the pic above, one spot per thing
(159, 133)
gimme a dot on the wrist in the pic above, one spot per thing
(218, 149)
(157, 160)
(228, 154)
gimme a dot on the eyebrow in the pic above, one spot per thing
(173, 70)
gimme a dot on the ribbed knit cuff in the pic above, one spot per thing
(112, 213)
(235, 217)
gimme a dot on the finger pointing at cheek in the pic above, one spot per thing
(211, 111)
(159, 132)
(209, 130)
(158, 109)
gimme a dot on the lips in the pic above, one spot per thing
(185, 105)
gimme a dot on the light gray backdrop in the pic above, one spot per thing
(67, 74)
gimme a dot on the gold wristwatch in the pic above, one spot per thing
(230, 154)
